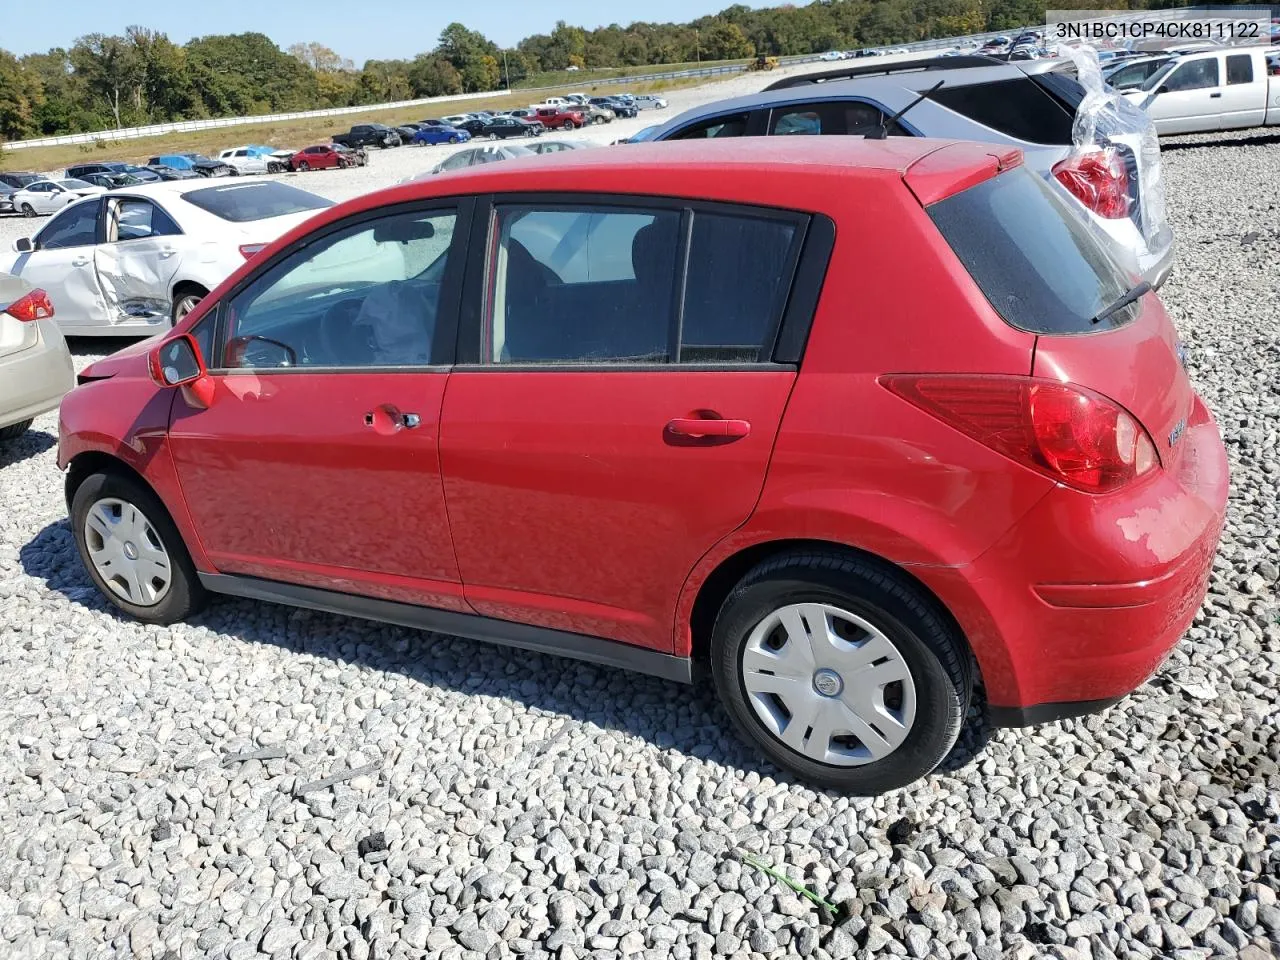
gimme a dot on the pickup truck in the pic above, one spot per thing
(368, 135)
(1224, 89)
(564, 118)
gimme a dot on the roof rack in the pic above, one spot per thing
(879, 69)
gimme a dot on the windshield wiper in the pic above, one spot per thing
(1136, 292)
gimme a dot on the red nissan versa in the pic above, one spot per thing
(858, 425)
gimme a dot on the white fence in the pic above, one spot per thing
(185, 126)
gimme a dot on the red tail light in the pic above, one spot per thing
(251, 250)
(1099, 180)
(34, 306)
(1066, 432)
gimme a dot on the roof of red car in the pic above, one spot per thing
(740, 169)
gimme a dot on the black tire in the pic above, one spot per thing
(28, 210)
(14, 431)
(186, 595)
(453, 139)
(493, 136)
(303, 166)
(932, 648)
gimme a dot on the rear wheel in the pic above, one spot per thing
(453, 139)
(133, 551)
(14, 431)
(493, 136)
(841, 670)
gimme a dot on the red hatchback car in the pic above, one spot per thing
(857, 445)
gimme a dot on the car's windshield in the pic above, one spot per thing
(245, 202)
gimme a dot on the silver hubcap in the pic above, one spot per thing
(127, 552)
(828, 684)
(185, 306)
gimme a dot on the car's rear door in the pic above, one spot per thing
(138, 259)
(1244, 92)
(316, 461)
(613, 413)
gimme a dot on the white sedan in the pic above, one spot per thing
(140, 258)
(50, 196)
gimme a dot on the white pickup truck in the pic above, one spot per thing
(1231, 88)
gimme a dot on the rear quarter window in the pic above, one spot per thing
(1018, 108)
(1033, 259)
(245, 202)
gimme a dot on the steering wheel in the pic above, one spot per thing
(342, 343)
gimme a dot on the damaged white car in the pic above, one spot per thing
(139, 259)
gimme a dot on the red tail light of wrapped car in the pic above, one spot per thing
(1073, 435)
(1099, 180)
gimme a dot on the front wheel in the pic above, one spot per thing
(133, 551)
(28, 210)
(841, 670)
(303, 166)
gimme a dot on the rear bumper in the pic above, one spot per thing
(1082, 601)
(34, 380)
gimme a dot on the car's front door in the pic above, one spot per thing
(138, 259)
(62, 265)
(616, 414)
(1189, 99)
(316, 461)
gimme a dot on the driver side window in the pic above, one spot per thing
(76, 226)
(365, 296)
(1196, 75)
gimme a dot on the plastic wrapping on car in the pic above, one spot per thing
(1109, 130)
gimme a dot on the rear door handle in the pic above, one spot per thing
(709, 429)
(1214, 96)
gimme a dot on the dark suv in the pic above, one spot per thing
(80, 171)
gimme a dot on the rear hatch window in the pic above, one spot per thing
(245, 202)
(1033, 259)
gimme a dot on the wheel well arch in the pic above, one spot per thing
(721, 581)
(85, 465)
(189, 286)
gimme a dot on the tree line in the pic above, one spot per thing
(103, 82)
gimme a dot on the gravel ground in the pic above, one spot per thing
(160, 798)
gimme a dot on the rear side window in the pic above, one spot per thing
(600, 284)
(244, 202)
(1240, 69)
(834, 117)
(734, 125)
(1033, 259)
(1017, 108)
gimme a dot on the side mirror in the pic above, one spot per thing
(176, 362)
(23, 245)
(1161, 89)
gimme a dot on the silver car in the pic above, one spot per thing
(1118, 189)
(35, 365)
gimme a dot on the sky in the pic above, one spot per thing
(358, 29)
